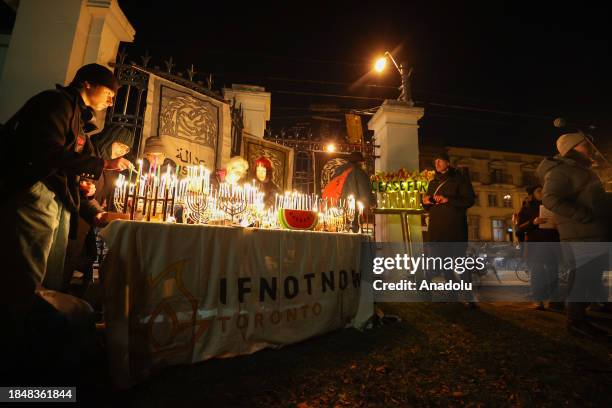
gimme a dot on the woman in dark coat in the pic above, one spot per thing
(542, 252)
(114, 141)
(448, 197)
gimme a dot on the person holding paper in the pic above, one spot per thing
(448, 197)
(542, 252)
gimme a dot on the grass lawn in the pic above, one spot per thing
(440, 354)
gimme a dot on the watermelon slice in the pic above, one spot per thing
(297, 219)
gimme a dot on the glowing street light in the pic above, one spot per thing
(380, 64)
(405, 90)
(330, 148)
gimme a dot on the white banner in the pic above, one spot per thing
(194, 128)
(177, 294)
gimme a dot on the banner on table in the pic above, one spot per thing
(180, 294)
(194, 128)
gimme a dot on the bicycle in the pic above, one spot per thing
(521, 270)
(481, 251)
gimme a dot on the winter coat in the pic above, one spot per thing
(42, 138)
(448, 221)
(576, 195)
(529, 212)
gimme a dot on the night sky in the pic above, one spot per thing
(507, 69)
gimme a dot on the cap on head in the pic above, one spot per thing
(154, 145)
(568, 141)
(531, 189)
(113, 133)
(441, 155)
(355, 157)
(95, 74)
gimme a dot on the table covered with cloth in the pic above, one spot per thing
(178, 294)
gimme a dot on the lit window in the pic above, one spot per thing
(507, 201)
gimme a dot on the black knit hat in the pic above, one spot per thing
(95, 74)
(441, 155)
(531, 189)
(113, 133)
(355, 157)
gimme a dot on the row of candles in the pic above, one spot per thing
(312, 202)
(156, 194)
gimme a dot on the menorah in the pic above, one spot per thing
(120, 198)
(130, 196)
(232, 206)
(197, 204)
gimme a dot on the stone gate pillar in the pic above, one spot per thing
(52, 39)
(255, 102)
(396, 130)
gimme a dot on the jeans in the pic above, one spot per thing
(36, 224)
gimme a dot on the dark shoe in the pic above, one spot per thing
(585, 329)
(601, 307)
(538, 306)
(556, 306)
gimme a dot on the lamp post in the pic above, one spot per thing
(405, 73)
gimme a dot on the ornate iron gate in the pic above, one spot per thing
(303, 159)
(130, 101)
(130, 104)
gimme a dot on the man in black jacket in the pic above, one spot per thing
(50, 153)
(448, 197)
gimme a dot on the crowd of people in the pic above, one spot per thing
(58, 191)
(577, 237)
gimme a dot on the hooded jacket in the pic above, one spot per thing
(576, 195)
(350, 179)
(42, 140)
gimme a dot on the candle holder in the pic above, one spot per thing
(196, 204)
(233, 206)
(349, 213)
(119, 198)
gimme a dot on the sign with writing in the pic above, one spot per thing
(221, 292)
(194, 128)
(395, 186)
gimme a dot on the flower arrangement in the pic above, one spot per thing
(401, 189)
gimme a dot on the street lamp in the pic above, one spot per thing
(406, 92)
